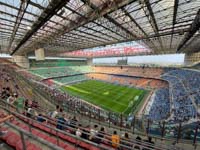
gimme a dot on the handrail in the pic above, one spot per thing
(23, 132)
(154, 136)
(120, 128)
(135, 142)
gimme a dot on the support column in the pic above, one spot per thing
(192, 58)
(39, 54)
(21, 61)
(89, 61)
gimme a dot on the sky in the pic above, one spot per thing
(169, 59)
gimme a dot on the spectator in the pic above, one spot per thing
(34, 104)
(115, 139)
(85, 134)
(61, 122)
(93, 133)
(40, 118)
(125, 143)
(100, 135)
(29, 112)
(78, 131)
(138, 142)
(73, 122)
(26, 104)
(9, 99)
(150, 142)
(55, 113)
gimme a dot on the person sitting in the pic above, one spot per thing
(29, 112)
(26, 104)
(40, 118)
(125, 143)
(9, 99)
(93, 133)
(73, 122)
(34, 104)
(100, 135)
(55, 113)
(12, 98)
(115, 140)
(85, 134)
(150, 142)
(138, 140)
(78, 131)
(61, 122)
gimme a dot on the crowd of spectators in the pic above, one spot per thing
(182, 106)
(159, 105)
(129, 80)
(95, 133)
(8, 88)
(184, 85)
(61, 71)
(72, 103)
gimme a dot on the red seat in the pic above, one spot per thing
(94, 148)
(84, 145)
(15, 122)
(36, 125)
(63, 136)
(46, 129)
(19, 145)
(43, 136)
(24, 127)
(62, 144)
(35, 132)
(12, 140)
(53, 132)
(52, 140)
(106, 146)
(32, 147)
(69, 147)
(10, 133)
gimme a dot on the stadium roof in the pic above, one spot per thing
(165, 26)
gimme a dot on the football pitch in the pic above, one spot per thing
(112, 97)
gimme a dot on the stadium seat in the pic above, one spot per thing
(19, 145)
(13, 139)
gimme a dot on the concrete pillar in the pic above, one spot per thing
(39, 54)
(21, 61)
(192, 58)
(89, 61)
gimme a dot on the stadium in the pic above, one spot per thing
(99, 75)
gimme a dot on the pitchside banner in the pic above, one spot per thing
(127, 50)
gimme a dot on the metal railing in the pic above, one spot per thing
(131, 143)
(138, 126)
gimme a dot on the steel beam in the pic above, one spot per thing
(145, 38)
(91, 16)
(130, 34)
(133, 20)
(195, 26)
(150, 15)
(110, 19)
(137, 25)
(95, 22)
(53, 7)
(21, 11)
(105, 8)
(176, 2)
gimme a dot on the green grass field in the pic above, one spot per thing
(116, 98)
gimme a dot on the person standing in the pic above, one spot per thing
(115, 139)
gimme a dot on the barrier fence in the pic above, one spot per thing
(178, 132)
(129, 144)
